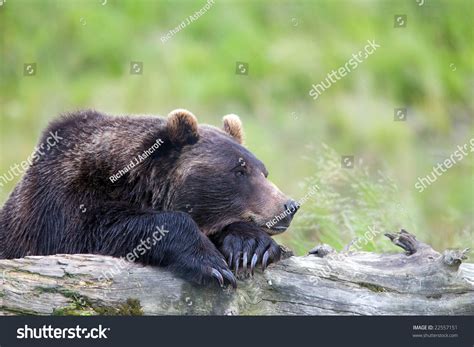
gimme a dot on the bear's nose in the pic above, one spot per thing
(292, 206)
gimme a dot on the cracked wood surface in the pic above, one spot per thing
(420, 282)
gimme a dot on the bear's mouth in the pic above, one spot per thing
(270, 227)
(275, 230)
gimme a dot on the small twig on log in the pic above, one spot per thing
(405, 240)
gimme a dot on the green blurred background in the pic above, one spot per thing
(83, 50)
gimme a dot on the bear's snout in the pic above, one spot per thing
(293, 207)
(282, 221)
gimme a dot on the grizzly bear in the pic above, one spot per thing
(113, 183)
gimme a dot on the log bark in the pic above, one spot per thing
(419, 282)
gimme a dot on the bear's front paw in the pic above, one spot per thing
(204, 265)
(247, 244)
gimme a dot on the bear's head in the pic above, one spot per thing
(218, 181)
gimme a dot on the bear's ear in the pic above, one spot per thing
(233, 127)
(182, 127)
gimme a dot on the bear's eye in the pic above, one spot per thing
(241, 169)
(240, 173)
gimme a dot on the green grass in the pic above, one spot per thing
(426, 67)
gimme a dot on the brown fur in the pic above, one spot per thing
(233, 127)
(182, 127)
(199, 182)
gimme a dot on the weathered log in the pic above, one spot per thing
(325, 282)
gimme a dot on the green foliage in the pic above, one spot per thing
(83, 52)
(350, 204)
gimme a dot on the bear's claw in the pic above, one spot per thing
(253, 263)
(205, 265)
(218, 276)
(244, 261)
(265, 260)
(241, 240)
(237, 260)
(230, 277)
